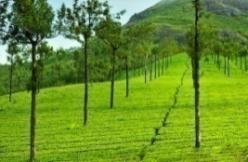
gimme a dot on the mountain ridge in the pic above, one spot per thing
(175, 17)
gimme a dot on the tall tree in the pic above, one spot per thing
(12, 51)
(31, 24)
(79, 23)
(145, 49)
(195, 73)
(155, 53)
(110, 31)
(133, 35)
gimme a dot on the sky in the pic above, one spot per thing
(131, 7)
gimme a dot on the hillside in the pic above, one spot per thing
(161, 105)
(174, 18)
(127, 133)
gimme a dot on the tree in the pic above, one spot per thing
(12, 51)
(127, 74)
(134, 34)
(110, 31)
(145, 48)
(167, 48)
(78, 23)
(195, 73)
(155, 53)
(31, 24)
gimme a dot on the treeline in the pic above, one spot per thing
(65, 66)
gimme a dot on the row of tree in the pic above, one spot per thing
(25, 25)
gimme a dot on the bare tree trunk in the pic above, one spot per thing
(127, 77)
(151, 69)
(196, 78)
(145, 70)
(33, 104)
(155, 70)
(159, 67)
(86, 81)
(112, 79)
(10, 78)
(225, 66)
(167, 62)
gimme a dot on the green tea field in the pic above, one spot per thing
(155, 124)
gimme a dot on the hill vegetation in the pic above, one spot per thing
(167, 66)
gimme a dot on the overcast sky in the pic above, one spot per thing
(131, 6)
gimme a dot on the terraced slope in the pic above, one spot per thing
(116, 134)
(224, 122)
(120, 134)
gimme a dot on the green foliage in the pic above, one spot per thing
(80, 21)
(13, 51)
(31, 21)
(110, 31)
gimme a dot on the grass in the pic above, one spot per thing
(118, 135)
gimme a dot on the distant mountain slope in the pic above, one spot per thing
(175, 17)
(227, 7)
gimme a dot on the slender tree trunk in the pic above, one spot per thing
(127, 76)
(33, 104)
(167, 62)
(225, 66)
(228, 66)
(163, 66)
(10, 78)
(86, 81)
(151, 69)
(112, 79)
(145, 70)
(159, 67)
(196, 78)
(155, 70)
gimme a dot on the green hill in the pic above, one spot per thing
(174, 18)
(154, 124)
(128, 132)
